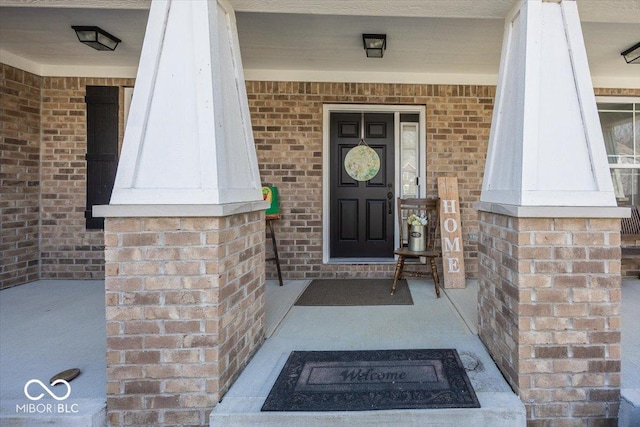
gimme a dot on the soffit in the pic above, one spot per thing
(435, 36)
(590, 10)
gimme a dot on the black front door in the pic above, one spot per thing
(362, 212)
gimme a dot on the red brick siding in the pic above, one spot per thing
(287, 124)
(549, 313)
(19, 176)
(67, 249)
(185, 313)
(287, 120)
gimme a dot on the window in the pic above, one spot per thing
(410, 169)
(409, 159)
(620, 121)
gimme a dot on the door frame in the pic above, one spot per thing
(327, 109)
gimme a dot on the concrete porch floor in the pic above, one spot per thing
(52, 325)
(429, 323)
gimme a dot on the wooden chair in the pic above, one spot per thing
(429, 208)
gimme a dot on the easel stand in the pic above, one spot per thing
(270, 219)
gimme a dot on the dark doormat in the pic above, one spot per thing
(335, 292)
(371, 380)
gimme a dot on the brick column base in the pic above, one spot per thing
(549, 313)
(185, 312)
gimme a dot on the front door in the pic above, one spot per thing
(361, 212)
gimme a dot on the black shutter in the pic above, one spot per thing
(102, 148)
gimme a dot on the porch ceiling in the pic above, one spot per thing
(440, 41)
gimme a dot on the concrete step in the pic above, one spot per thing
(499, 409)
(429, 323)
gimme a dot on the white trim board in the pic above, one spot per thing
(618, 99)
(334, 76)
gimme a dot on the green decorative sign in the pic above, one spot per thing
(270, 194)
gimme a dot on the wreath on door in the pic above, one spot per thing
(362, 162)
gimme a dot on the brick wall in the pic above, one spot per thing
(185, 312)
(549, 313)
(287, 125)
(287, 119)
(616, 92)
(67, 249)
(19, 176)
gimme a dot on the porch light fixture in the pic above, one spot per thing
(96, 37)
(374, 44)
(632, 55)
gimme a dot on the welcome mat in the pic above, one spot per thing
(371, 380)
(334, 292)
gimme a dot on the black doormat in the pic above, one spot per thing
(371, 380)
(334, 292)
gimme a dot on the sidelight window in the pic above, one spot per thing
(409, 155)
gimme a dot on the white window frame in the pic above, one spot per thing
(622, 100)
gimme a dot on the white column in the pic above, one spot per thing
(546, 146)
(188, 139)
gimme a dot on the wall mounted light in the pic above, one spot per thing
(374, 44)
(96, 37)
(632, 55)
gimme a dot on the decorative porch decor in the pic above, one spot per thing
(354, 292)
(429, 209)
(270, 194)
(417, 232)
(451, 233)
(371, 380)
(362, 162)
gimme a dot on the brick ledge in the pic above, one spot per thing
(554, 211)
(161, 211)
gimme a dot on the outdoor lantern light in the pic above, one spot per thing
(632, 55)
(96, 37)
(374, 44)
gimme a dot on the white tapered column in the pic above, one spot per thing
(184, 232)
(546, 146)
(188, 138)
(549, 227)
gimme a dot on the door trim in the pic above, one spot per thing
(327, 109)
